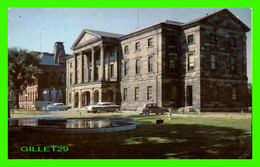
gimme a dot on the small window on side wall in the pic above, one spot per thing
(190, 62)
(150, 42)
(190, 39)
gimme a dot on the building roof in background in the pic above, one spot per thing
(48, 59)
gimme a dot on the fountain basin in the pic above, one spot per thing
(72, 125)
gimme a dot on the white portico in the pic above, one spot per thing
(93, 69)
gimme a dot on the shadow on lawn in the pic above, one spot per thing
(148, 141)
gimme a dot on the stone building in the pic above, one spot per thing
(53, 80)
(198, 65)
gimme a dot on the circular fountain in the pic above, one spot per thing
(72, 125)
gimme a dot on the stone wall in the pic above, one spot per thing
(144, 78)
(218, 83)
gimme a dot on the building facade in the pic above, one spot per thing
(198, 65)
(53, 80)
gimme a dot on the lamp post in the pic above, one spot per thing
(26, 99)
(45, 93)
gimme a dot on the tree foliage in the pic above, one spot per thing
(23, 69)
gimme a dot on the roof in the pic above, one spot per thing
(196, 21)
(175, 23)
(103, 33)
(48, 59)
(98, 34)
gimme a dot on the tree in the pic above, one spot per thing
(23, 69)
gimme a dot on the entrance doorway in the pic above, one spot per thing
(189, 95)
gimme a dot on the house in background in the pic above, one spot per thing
(199, 65)
(53, 80)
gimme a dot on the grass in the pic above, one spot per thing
(181, 138)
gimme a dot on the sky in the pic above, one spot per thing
(38, 29)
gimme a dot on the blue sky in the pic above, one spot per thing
(38, 29)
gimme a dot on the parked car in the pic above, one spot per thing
(151, 108)
(102, 106)
(57, 106)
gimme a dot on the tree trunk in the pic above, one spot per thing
(16, 100)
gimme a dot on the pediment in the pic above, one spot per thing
(85, 38)
(226, 20)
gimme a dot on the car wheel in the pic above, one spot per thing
(146, 112)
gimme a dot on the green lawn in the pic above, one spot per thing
(180, 137)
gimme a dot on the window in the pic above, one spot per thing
(70, 79)
(190, 62)
(233, 64)
(69, 97)
(52, 77)
(213, 62)
(150, 64)
(137, 46)
(137, 66)
(150, 42)
(234, 93)
(137, 93)
(125, 94)
(149, 93)
(233, 42)
(89, 74)
(70, 65)
(190, 39)
(173, 93)
(189, 95)
(112, 70)
(62, 78)
(126, 68)
(212, 38)
(126, 49)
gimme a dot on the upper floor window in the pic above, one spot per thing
(137, 46)
(213, 62)
(150, 42)
(190, 62)
(233, 64)
(212, 38)
(234, 93)
(126, 68)
(137, 66)
(233, 42)
(126, 49)
(70, 79)
(70, 65)
(150, 64)
(190, 39)
(52, 77)
(62, 78)
(112, 70)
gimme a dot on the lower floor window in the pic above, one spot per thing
(137, 93)
(149, 93)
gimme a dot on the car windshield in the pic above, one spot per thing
(92, 104)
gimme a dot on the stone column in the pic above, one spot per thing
(87, 68)
(91, 95)
(93, 64)
(108, 65)
(116, 64)
(82, 67)
(75, 69)
(80, 99)
(102, 62)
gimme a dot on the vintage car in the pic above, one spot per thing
(57, 106)
(102, 106)
(151, 108)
